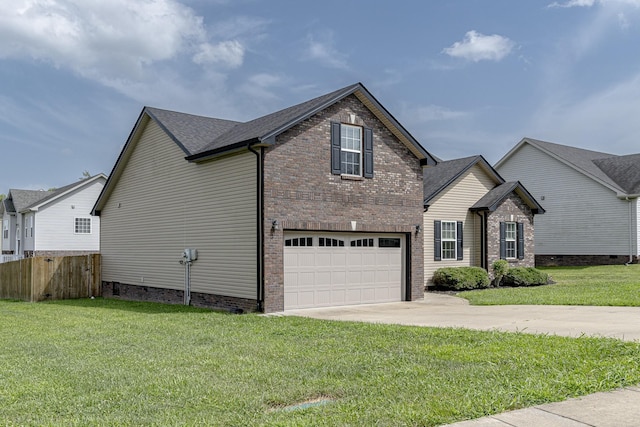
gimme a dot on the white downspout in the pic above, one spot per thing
(630, 232)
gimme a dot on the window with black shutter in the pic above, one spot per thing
(351, 150)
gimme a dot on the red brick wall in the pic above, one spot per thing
(512, 209)
(301, 193)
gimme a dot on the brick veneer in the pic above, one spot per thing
(174, 296)
(582, 260)
(301, 193)
(512, 209)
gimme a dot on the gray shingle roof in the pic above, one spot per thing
(437, 178)
(58, 191)
(263, 126)
(495, 196)
(192, 133)
(623, 170)
(579, 158)
(22, 199)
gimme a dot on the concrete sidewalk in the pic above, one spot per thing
(619, 408)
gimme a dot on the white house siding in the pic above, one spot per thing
(27, 238)
(453, 204)
(583, 217)
(163, 204)
(55, 222)
(7, 244)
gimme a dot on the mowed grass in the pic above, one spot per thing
(107, 362)
(608, 285)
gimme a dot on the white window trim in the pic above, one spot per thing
(75, 223)
(454, 240)
(513, 239)
(350, 150)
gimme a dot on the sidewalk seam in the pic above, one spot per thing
(564, 416)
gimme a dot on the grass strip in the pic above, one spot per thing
(106, 362)
(608, 285)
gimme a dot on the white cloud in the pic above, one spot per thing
(230, 53)
(574, 3)
(321, 48)
(590, 3)
(430, 113)
(111, 40)
(478, 47)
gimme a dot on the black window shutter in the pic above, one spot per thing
(503, 248)
(368, 153)
(437, 238)
(336, 163)
(459, 241)
(520, 231)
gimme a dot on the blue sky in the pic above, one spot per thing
(464, 77)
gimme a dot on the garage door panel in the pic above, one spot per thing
(323, 278)
(323, 273)
(323, 258)
(323, 298)
(338, 259)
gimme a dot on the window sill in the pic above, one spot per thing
(351, 178)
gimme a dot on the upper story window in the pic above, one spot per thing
(83, 225)
(30, 225)
(5, 229)
(351, 150)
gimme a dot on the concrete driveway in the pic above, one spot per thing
(442, 310)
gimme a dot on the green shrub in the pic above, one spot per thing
(461, 278)
(525, 276)
(500, 268)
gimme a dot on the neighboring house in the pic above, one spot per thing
(593, 215)
(318, 204)
(52, 223)
(473, 217)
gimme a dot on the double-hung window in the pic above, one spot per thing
(512, 242)
(351, 150)
(448, 243)
(448, 240)
(5, 229)
(510, 238)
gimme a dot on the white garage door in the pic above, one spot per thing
(342, 269)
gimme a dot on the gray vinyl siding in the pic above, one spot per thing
(163, 204)
(453, 204)
(583, 217)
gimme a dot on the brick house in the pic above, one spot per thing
(318, 204)
(473, 217)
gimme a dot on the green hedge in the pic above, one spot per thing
(525, 276)
(461, 278)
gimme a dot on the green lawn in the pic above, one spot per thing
(105, 362)
(608, 285)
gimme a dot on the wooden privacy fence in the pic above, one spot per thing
(51, 278)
